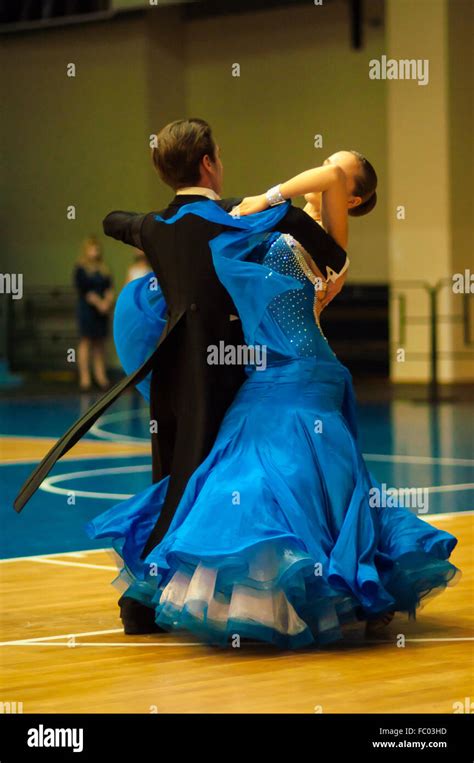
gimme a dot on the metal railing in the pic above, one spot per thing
(433, 320)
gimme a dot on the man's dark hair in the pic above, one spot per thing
(180, 147)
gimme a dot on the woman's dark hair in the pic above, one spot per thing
(180, 147)
(365, 185)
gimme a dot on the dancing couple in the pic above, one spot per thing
(259, 523)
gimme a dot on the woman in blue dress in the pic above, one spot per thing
(276, 537)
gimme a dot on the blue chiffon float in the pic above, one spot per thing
(275, 537)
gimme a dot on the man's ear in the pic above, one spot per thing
(207, 162)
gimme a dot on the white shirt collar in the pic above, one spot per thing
(197, 190)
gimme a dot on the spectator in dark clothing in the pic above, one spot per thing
(93, 282)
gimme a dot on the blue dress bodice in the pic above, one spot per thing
(288, 328)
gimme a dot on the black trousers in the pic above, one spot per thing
(189, 399)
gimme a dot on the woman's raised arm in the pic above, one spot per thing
(329, 180)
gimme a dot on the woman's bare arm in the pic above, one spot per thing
(334, 213)
(314, 181)
(329, 180)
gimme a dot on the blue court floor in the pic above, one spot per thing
(406, 445)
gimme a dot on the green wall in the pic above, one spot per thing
(72, 141)
(461, 131)
(84, 140)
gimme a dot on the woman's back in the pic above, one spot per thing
(290, 328)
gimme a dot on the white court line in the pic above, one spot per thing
(74, 564)
(424, 517)
(136, 643)
(367, 456)
(62, 635)
(35, 557)
(104, 434)
(96, 430)
(43, 640)
(128, 439)
(159, 644)
(85, 552)
(460, 638)
(101, 433)
(445, 488)
(447, 461)
(49, 485)
(445, 515)
(94, 456)
(26, 436)
(127, 415)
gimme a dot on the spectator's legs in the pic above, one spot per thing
(98, 363)
(83, 355)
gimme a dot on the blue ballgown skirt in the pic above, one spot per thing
(275, 537)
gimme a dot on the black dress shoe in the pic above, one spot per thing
(137, 618)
